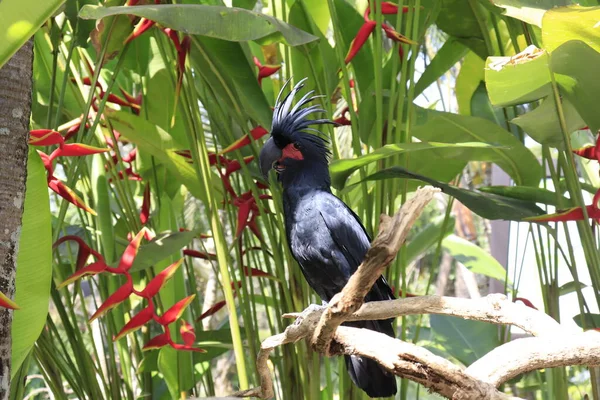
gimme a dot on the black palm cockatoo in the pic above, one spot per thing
(325, 236)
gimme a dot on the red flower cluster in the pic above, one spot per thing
(368, 27)
(248, 210)
(48, 137)
(127, 289)
(576, 213)
(264, 71)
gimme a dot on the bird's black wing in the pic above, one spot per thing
(352, 241)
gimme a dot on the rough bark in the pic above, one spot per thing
(15, 108)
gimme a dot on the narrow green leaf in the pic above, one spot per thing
(570, 287)
(449, 54)
(474, 257)
(590, 320)
(219, 22)
(341, 169)
(527, 193)
(486, 205)
(427, 237)
(34, 261)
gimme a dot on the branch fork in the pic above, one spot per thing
(551, 344)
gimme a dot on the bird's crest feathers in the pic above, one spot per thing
(291, 123)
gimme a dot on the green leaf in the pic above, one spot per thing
(19, 20)
(588, 319)
(486, 205)
(543, 125)
(509, 83)
(219, 22)
(530, 11)
(161, 247)
(513, 157)
(466, 340)
(529, 194)
(571, 287)
(470, 76)
(341, 169)
(449, 54)
(157, 142)
(563, 24)
(225, 67)
(575, 66)
(81, 27)
(427, 237)
(458, 18)
(474, 257)
(34, 261)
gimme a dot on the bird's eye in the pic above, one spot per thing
(297, 145)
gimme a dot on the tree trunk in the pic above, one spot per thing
(15, 108)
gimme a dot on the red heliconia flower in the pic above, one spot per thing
(187, 332)
(526, 302)
(84, 251)
(256, 134)
(119, 296)
(68, 194)
(342, 120)
(90, 270)
(158, 341)
(137, 321)
(173, 313)
(256, 272)
(76, 150)
(212, 310)
(131, 156)
(134, 102)
(45, 137)
(369, 25)
(145, 212)
(154, 286)
(130, 252)
(264, 71)
(387, 8)
(178, 346)
(234, 165)
(246, 204)
(139, 29)
(198, 254)
(361, 37)
(72, 131)
(7, 303)
(572, 214)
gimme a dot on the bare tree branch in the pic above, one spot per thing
(527, 354)
(552, 345)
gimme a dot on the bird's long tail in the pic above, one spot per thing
(367, 374)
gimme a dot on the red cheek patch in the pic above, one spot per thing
(291, 151)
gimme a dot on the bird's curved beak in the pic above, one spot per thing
(268, 155)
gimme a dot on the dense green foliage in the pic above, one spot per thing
(175, 117)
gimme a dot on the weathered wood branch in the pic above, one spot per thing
(551, 345)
